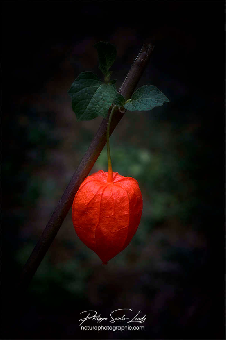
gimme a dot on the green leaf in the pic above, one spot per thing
(107, 55)
(146, 98)
(91, 97)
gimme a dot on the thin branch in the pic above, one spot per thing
(83, 170)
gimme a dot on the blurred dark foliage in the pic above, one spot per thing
(174, 268)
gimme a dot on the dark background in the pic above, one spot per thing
(173, 270)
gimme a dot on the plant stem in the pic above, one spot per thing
(87, 162)
(110, 172)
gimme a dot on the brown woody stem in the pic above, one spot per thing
(87, 162)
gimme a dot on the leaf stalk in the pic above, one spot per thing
(110, 172)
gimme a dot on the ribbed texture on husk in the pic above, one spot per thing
(106, 215)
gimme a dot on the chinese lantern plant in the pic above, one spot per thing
(107, 208)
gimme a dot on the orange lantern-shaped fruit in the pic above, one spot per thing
(106, 214)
